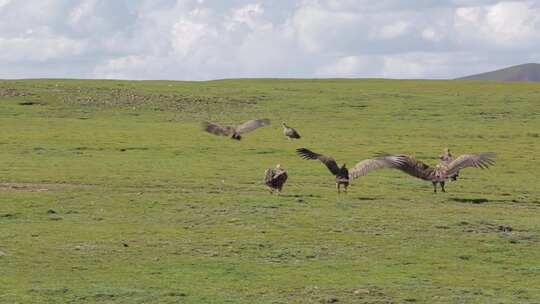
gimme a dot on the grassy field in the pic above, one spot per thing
(111, 193)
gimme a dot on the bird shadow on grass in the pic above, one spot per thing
(470, 200)
(366, 198)
(300, 195)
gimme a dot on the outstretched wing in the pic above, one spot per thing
(482, 161)
(251, 125)
(368, 165)
(216, 129)
(414, 167)
(328, 161)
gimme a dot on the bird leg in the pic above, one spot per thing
(435, 187)
(442, 186)
(345, 186)
(338, 188)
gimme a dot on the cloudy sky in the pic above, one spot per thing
(212, 39)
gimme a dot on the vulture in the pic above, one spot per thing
(344, 175)
(447, 158)
(290, 132)
(444, 170)
(235, 132)
(275, 178)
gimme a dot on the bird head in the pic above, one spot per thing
(283, 123)
(344, 166)
(278, 166)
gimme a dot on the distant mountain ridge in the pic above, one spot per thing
(522, 72)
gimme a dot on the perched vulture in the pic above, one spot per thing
(290, 132)
(235, 132)
(443, 171)
(344, 175)
(275, 178)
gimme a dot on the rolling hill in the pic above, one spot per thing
(522, 72)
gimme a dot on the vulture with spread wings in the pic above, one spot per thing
(344, 175)
(235, 132)
(444, 170)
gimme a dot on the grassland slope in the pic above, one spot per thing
(111, 193)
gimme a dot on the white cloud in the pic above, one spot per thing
(505, 24)
(317, 28)
(39, 50)
(3, 3)
(187, 36)
(431, 34)
(349, 66)
(83, 10)
(196, 39)
(247, 15)
(393, 30)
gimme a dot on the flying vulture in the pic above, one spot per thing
(275, 178)
(235, 132)
(344, 175)
(290, 132)
(443, 171)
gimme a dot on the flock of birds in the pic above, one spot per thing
(447, 169)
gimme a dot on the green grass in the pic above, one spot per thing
(124, 163)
